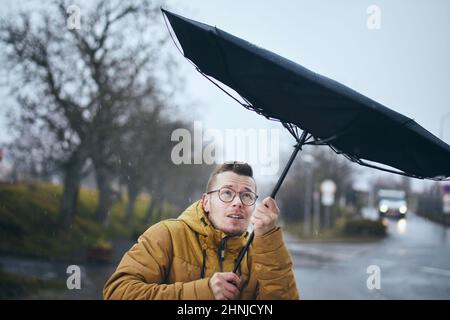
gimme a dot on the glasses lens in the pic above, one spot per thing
(248, 198)
(226, 195)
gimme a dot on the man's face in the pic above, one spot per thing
(233, 217)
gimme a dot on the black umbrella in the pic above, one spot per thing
(327, 112)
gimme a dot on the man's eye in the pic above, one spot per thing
(248, 196)
(227, 193)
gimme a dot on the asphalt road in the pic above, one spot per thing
(413, 263)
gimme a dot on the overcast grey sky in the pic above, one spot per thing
(404, 65)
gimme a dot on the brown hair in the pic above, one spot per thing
(240, 168)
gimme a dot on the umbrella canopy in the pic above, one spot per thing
(331, 113)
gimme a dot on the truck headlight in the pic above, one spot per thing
(383, 208)
(403, 209)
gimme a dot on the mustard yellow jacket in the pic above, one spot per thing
(174, 259)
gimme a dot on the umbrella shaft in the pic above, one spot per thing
(298, 147)
(286, 168)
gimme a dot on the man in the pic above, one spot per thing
(193, 257)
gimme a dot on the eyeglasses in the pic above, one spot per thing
(248, 198)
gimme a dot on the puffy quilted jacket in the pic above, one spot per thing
(174, 259)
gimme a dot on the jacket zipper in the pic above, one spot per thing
(221, 252)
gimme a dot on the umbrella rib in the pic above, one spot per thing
(218, 86)
(363, 163)
(207, 77)
(290, 128)
(250, 106)
(322, 142)
(224, 62)
(171, 36)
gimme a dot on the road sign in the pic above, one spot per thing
(446, 198)
(328, 188)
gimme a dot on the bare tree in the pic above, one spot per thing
(141, 154)
(80, 86)
(165, 181)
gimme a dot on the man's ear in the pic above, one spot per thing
(205, 203)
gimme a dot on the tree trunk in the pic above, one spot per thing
(150, 209)
(160, 209)
(105, 197)
(72, 180)
(132, 195)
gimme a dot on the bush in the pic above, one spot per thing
(29, 221)
(364, 227)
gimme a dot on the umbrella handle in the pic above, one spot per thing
(297, 148)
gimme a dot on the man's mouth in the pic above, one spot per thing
(237, 216)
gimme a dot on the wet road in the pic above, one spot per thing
(413, 261)
(93, 275)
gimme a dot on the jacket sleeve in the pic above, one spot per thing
(141, 273)
(272, 266)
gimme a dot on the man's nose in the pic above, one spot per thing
(237, 201)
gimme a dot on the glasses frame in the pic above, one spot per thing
(235, 192)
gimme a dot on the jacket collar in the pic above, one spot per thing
(210, 237)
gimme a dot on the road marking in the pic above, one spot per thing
(441, 272)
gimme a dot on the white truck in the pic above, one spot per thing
(392, 203)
